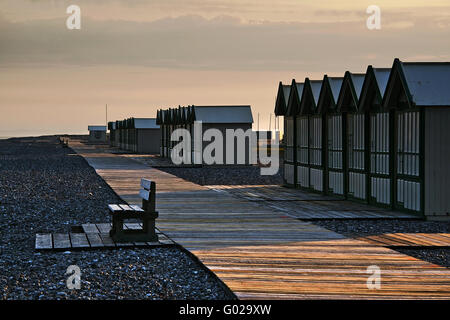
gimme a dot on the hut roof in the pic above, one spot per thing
(223, 114)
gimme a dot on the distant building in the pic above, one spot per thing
(97, 133)
(381, 137)
(113, 133)
(212, 117)
(141, 135)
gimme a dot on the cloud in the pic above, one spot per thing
(222, 42)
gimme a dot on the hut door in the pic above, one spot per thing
(302, 152)
(407, 160)
(380, 182)
(356, 156)
(315, 153)
(335, 153)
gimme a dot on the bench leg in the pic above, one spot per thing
(148, 226)
(117, 228)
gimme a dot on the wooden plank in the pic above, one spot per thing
(136, 208)
(103, 227)
(146, 184)
(43, 241)
(144, 194)
(114, 208)
(61, 241)
(106, 240)
(89, 228)
(95, 241)
(133, 226)
(126, 207)
(79, 240)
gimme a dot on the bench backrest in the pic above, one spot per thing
(148, 195)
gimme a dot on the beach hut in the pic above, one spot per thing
(290, 132)
(365, 175)
(211, 117)
(418, 98)
(97, 133)
(309, 107)
(332, 155)
(145, 135)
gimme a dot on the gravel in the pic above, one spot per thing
(360, 228)
(47, 188)
(249, 175)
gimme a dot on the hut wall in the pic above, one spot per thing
(148, 141)
(437, 160)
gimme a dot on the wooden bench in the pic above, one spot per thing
(147, 215)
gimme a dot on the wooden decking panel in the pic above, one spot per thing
(409, 240)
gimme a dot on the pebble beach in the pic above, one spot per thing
(46, 188)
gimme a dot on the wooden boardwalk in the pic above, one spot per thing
(263, 253)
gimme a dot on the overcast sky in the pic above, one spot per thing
(138, 55)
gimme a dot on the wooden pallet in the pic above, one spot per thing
(441, 240)
(95, 236)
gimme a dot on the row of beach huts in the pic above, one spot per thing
(380, 137)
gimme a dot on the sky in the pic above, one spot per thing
(137, 56)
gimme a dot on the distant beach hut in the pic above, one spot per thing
(290, 132)
(219, 118)
(145, 135)
(113, 133)
(332, 155)
(309, 107)
(97, 133)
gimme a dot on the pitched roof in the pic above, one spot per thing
(145, 123)
(97, 128)
(329, 94)
(428, 83)
(223, 114)
(295, 97)
(382, 77)
(350, 91)
(374, 86)
(311, 95)
(281, 102)
(316, 86)
(423, 83)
